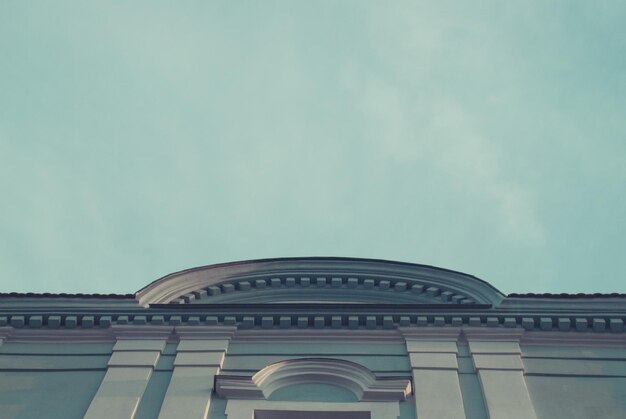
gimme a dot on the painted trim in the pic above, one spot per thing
(346, 316)
(130, 367)
(498, 359)
(185, 283)
(337, 372)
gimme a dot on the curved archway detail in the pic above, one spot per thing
(353, 377)
(320, 280)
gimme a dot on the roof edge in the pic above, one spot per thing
(176, 284)
(65, 295)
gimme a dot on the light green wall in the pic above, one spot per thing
(54, 380)
(578, 397)
(47, 394)
(153, 397)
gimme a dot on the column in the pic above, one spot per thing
(433, 357)
(127, 376)
(5, 331)
(497, 359)
(199, 356)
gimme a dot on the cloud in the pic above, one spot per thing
(409, 123)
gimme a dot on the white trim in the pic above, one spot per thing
(317, 335)
(129, 370)
(589, 338)
(197, 362)
(179, 284)
(349, 375)
(433, 356)
(497, 359)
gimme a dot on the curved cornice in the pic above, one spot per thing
(337, 372)
(402, 276)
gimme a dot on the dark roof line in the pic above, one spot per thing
(131, 296)
(567, 296)
(64, 295)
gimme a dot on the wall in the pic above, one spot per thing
(560, 374)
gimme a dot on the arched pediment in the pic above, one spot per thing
(318, 280)
(355, 378)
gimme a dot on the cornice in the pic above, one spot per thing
(593, 303)
(348, 318)
(586, 339)
(492, 334)
(118, 332)
(354, 377)
(317, 335)
(197, 283)
(64, 303)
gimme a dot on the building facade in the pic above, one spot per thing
(324, 338)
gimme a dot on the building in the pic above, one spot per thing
(304, 338)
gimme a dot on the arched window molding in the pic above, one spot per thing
(336, 372)
(377, 398)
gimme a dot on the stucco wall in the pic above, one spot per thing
(561, 378)
(46, 380)
(578, 382)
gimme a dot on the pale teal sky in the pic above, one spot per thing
(145, 138)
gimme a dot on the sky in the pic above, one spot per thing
(142, 138)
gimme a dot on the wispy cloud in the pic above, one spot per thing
(140, 140)
(438, 132)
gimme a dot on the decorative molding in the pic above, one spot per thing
(328, 334)
(351, 376)
(199, 356)
(429, 334)
(119, 333)
(349, 316)
(353, 289)
(190, 334)
(130, 367)
(434, 364)
(191, 284)
(396, 294)
(317, 335)
(588, 338)
(492, 334)
(496, 356)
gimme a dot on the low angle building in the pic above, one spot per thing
(324, 338)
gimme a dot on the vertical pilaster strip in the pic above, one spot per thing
(5, 331)
(199, 356)
(433, 357)
(127, 376)
(497, 358)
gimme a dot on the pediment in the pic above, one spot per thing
(355, 378)
(318, 280)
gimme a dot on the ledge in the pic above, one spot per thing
(320, 318)
(353, 377)
(317, 271)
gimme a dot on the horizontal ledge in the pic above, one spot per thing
(309, 306)
(51, 369)
(551, 374)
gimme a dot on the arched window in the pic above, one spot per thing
(337, 389)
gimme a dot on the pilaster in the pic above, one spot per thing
(129, 370)
(497, 359)
(199, 356)
(433, 357)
